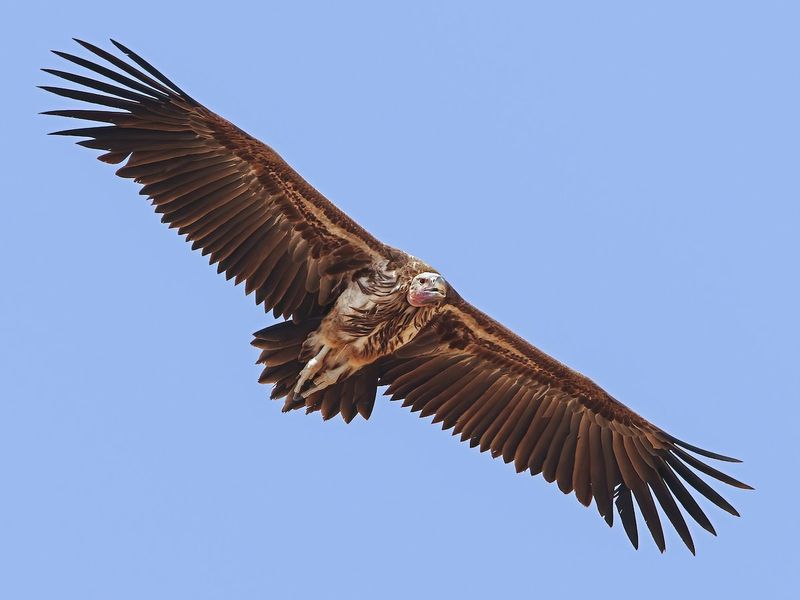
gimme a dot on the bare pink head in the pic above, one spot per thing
(427, 289)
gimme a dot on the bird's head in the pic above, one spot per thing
(427, 289)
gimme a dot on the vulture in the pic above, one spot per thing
(359, 314)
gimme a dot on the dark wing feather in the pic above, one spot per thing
(232, 196)
(502, 394)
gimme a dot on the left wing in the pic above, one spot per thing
(231, 195)
(506, 396)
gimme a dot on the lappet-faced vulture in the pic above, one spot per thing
(360, 314)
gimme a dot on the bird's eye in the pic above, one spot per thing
(423, 280)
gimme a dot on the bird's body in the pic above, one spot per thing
(370, 319)
(360, 314)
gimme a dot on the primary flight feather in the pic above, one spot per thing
(361, 314)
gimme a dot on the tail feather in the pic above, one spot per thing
(281, 346)
(351, 396)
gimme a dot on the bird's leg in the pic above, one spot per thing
(311, 369)
(328, 378)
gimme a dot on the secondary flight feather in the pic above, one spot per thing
(360, 314)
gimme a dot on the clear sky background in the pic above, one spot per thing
(616, 182)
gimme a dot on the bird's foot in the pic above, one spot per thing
(327, 379)
(306, 379)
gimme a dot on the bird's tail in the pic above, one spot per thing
(281, 346)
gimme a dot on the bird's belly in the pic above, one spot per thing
(365, 324)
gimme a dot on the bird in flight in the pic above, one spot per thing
(359, 314)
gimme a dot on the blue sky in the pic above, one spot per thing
(616, 182)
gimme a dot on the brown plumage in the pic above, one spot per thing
(361, 314)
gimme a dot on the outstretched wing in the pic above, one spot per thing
(233, 196)
(506, 396)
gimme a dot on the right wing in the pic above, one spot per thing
(504, 395)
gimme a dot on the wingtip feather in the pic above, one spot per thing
(703, 452)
